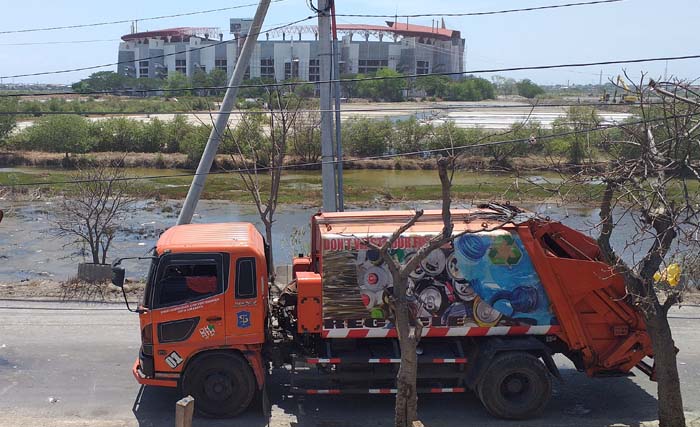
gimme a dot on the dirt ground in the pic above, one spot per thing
(70, 291)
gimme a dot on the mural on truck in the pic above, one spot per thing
(484, 279)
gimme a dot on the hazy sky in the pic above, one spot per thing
(625, 30)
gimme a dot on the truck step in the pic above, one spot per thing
(423, 390)
(384, 360)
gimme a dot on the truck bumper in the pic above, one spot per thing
(141, 378)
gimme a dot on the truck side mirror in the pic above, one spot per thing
(118, 276)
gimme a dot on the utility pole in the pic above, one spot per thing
(327, 157)
(227, 105)
(336, 97)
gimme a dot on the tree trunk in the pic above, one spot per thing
(669, 386)
(270, 261)
(406, 396)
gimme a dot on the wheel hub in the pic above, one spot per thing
(218, 387)
(514, 386)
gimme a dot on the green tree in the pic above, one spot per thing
(503, 154)
(434, 85)
(175, 82)
(448, 135)
(218, 78)
(7, 121)
(257, 90)
(194, 142)
(201, 79)
(306, 137)
(410, 135)
(247, 137)
(102, 81)
(528, 89)
(581, 144)
(175, 131)
(153, 136)
(470, 89)
(388, 89)
(349, 88)
(61, 134)
(147, 84)
(366, 137)
(504, 85)
(118, 134)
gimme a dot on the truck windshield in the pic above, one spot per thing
(146, 299)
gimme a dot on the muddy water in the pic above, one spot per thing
(30, 248)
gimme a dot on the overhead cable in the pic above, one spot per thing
(492, 12)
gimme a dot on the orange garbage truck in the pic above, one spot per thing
(497, 303)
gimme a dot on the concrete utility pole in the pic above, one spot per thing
(227, 105)
(336, 97)
(327, 166)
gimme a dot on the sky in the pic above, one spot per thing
(625, 30)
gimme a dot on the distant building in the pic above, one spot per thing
(410, 49)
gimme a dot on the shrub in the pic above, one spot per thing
(366, 137)
(60, 134)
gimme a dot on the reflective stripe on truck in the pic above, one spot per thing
(476, 331)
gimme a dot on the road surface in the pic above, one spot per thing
(68, 364)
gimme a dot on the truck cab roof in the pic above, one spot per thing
(218, 237)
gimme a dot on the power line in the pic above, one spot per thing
(378, 157)
(493, 12)
(359, 79)
(125, 21)
(94, 67)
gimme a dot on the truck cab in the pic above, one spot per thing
(203, 315)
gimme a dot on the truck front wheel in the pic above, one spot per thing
(515, 386)
(222, 384)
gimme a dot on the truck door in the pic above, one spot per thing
(247, 316)
(188, 306)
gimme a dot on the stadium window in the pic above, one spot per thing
(371, 66)
(143, 68)
(314, 70)
(291, 70)
(267, 68)
(181, 66)
(422, 67)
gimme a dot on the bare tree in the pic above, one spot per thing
(408, 324)
(651, 202)
(264, 155)
(90, 213)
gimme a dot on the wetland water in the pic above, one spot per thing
(30, 250)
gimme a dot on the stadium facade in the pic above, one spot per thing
(291, 53)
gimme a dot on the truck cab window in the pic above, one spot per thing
(183, 280)
(245, 278)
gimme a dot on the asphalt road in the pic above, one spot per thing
(68, 364)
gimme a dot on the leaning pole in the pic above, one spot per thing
(200, 177)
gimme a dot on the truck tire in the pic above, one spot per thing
(515, 386)
(223, 385)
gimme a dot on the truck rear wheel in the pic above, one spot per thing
(223, 385)
(515, 386)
